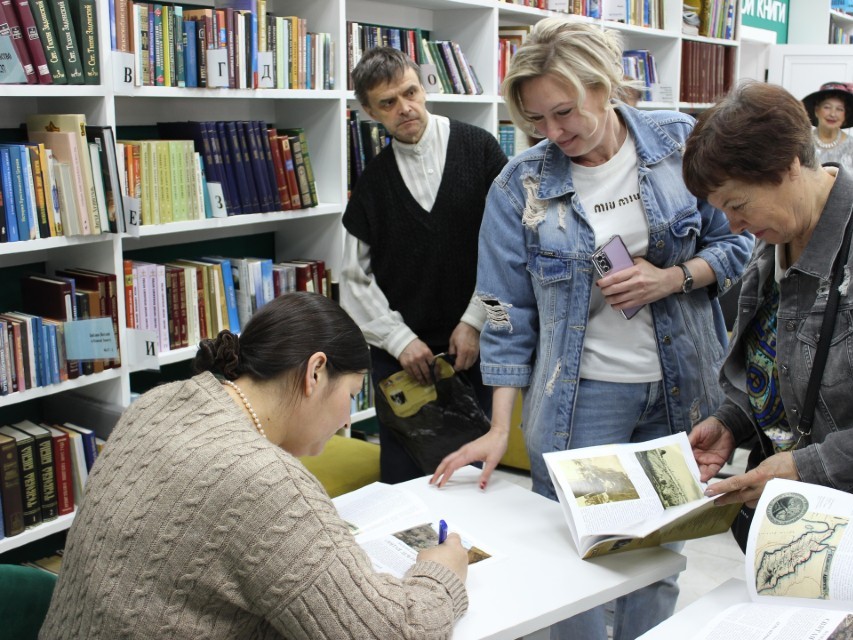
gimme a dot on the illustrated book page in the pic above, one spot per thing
(633, 495)
(392, 525)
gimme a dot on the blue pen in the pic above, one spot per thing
(442, 531)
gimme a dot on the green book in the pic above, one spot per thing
(84, 15)
(67, 40)
(49, 41)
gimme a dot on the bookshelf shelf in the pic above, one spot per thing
(36, 533)
(308, 233)
(78, 383)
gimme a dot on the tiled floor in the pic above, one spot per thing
(710, 561)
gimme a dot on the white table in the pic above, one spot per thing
(698, 613)
(539, 579)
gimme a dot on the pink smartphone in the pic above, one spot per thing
(613, 256)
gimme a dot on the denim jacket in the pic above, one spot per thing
(826, 456)
(535, 276)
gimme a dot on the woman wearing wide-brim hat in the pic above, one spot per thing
(830, 110)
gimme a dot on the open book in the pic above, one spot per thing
(392, 525)
(799, 568)
(632, 495)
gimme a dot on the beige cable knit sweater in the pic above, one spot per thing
(194, 526)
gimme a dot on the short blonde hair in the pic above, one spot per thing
(582, 55)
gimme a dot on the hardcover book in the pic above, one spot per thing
(28, 473)
(67, 41)
(10, 486)
(44, 467)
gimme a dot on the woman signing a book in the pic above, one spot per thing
(200, 522)
(752, 156)
(589, 374)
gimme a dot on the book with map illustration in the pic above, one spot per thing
(799, 568)
(619, 497)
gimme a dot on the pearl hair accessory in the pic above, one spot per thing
(248, 406)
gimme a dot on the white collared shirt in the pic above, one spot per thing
(421, 165)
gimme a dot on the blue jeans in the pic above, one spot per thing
(608, 412)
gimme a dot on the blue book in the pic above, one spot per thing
(205, 194)
(8, 195)
(233, 194)
(49, 335)
(230, 290)
(90, 447)
(29, 192)
(191, 53)
(41, 351)
(18, 190)
(239, 153)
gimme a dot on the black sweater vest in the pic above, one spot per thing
(425, 262)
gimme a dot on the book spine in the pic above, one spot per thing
(30, 34)
(68, 47)
(9, 17)
(29, 482)
(85, 20)
(301, 172)
(49, 41)
(62, 474)
(40, 197)
(47, 478)
(10, 488)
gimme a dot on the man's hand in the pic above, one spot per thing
(712, 446)
(465, 345)
(747, 487)
(416, 359)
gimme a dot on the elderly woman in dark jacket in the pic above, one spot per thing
(798, 211)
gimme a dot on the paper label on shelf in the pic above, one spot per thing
(91, 339)
(123, 72)
(429, 77)
(11, 70)
(217, 68)
(265, 73)
(662, 93)
(217, 200)
(141, 351)
(132, 215)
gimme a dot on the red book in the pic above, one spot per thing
(9, 17)
(280, 174)
(62, 470)
(31, 36)
(290, 172)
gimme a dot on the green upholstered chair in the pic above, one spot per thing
(24, 599)
(345, 465)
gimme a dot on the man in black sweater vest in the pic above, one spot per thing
(410, 255)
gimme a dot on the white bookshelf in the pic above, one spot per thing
(315, 232)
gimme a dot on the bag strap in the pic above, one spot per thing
(826, 329)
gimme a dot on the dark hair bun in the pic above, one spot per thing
(220, 356)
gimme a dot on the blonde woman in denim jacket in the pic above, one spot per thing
(800, 211)
(588, 375)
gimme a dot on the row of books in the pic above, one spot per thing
(716, 18)
(707, 71)
(365, 140)
(43, 471)
(641, 13)
(55, 41)
(32, 341)
(63, 180)
(188, 300)
(261, 169)
(176, 46)
(455, 73)
(639, 64)
(510, 38)
(838, 35)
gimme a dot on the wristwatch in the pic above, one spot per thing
(687, 285)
